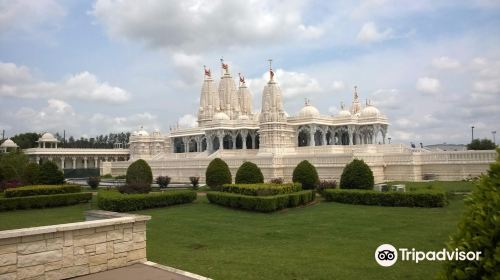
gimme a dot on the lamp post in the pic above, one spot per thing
(389, 138)
(494, 140)
(472, 133)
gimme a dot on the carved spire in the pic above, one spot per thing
(271, 72)
(355, 92)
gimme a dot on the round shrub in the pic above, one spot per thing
(249, 173)
(50, 174)
(357, 175)
(163, 181)
(139, 177)
(306, 174)
(218, 174)
(31, 174)
(93, 182)
(478, 230)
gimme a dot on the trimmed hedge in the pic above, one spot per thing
(357, 175)
(114, 201)
(217, 174)
(249, 173)
(81, 172)
(41, 190)
(261, 189)
(261, 203)
(42, 201)
(306, 174)
(405, 199)
(50, 174)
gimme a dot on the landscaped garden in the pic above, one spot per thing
(323, 240)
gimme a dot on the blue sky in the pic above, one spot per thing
(91, 67)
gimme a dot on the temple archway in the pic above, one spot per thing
(204, 144)
(178, 145)
(215, 143)
(239, 141)
(257, 141)
(249, 141)
(227, 142)
(303, 138)
(318, 138)
(193, 146)
(329, 138)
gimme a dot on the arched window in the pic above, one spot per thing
(215, 143)
(318, 138)
(239, 141)
(249, 141)
(303, 138)
(193, 146)
(204, 144)
(178, 145)
(228, 141)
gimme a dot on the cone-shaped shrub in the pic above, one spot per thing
(218, 174)
(249, 173)
(31, 174)
(479, 231)
(357, 175)
(139, 177)
(50, 174)
(306, 174)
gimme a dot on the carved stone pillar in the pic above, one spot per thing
(62, 163)
(74, 162)
(95, 162)
(85, 162)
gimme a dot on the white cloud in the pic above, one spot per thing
(428, 85)
(194, 26)
(445, 62)
(188, 121)
(292, 84)
(370, 33)
(30, 16)
(487, 86)
(17, 81)
(338, 86)
(386, 98)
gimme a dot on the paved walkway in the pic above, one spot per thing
(142, 272)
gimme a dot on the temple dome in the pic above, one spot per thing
(344, 113)
(370, 111)
(9, 144)
(142, 132)
(309, 111)
(221, 116)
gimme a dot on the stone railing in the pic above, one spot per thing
(108, 240)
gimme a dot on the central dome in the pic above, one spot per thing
(370, 111)
(221, 116)
(344, 113)
(309, 111)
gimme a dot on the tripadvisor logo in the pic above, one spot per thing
(387, 255)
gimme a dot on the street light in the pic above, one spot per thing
(389, 140)
(472, 133)
(494, 140)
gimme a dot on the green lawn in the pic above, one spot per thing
(323, 241)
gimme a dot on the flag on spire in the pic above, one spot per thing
(242, 79)
(207, 71)
(224, 65)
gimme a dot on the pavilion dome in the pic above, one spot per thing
(48, 137)
(309, 111)
(9, 144)
(370, 111)
(142, 132)
(221, 116)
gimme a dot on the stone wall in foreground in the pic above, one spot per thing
(69, 250)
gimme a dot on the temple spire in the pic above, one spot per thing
(208, 73)
(242, 79)
(225, 67)
(271, 72)
(355, 92)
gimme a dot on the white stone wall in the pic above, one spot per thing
(69, 250)
(388, 163)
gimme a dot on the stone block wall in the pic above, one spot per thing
(69, 250)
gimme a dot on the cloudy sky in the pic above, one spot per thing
(92, 67)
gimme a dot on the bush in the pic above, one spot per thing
(9, 184)
(31, 174)
(114, 201)
(41, 190)
(139, 178)
(9, 173)
(325, 185)
(404, 199)
(93, 182)
(249, 173)
(277, 181)
(306, 174)
(42, 201)
(218, 174)
(260, 203)
(357, 175)
(261, 189)
(81, 172)
(50, 174)
(478, 230)
(163, 181)
(194, 182)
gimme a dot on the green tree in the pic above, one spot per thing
(218, 174)
(357, 175)
(31, 174)
(249, 173)
(26, 140)
(483, 144)
(306, 174)
(50, 174)
(479, 230)
(13, 164)
(139, 177)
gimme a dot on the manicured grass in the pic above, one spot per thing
(451, 186)
(321, 241)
